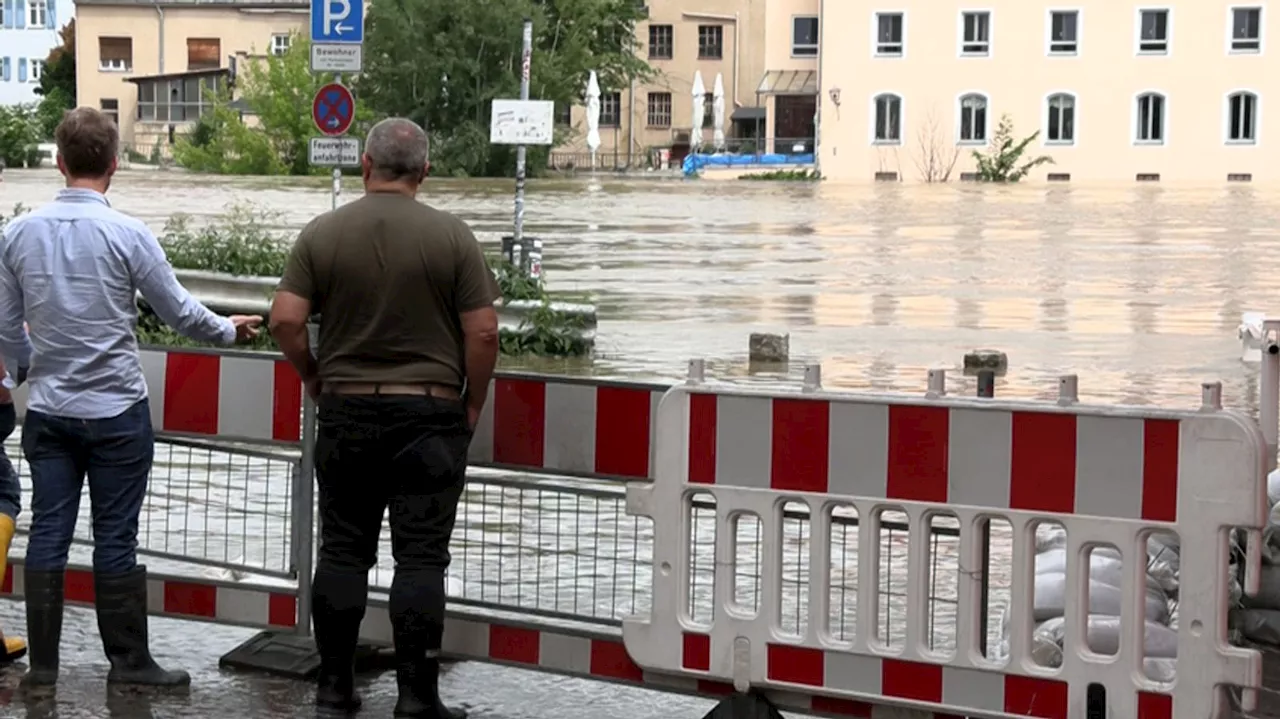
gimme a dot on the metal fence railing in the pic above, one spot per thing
(209, 504)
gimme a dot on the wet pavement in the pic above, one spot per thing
(488, 692)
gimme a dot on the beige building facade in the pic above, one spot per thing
(150, 65)
(679, 38)
(1119, 91)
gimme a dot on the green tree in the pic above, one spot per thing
(441, 63)
(277, 91)
(58, 81)
(221, 143)
(19, 135)
(1003, 161)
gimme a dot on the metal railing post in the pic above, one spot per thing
(304, 515)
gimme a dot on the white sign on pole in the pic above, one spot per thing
(334, 57)
(521, 122)
(334, 152)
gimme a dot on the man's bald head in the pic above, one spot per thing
(396, 150)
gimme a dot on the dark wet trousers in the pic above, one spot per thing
(10, 489)
(115, 453)
(406, 454)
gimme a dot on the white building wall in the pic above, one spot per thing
(24, 46)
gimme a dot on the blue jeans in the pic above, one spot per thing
(10, 490)
(116, 454)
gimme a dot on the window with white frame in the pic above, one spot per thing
(889, 40)
(1246, 29)
(659, 110)
(1242, 117)
(975, 33)
(973, 118)
(888, 109)
(115, 54)
(804, 36)
(1153, 31)
(37, 69)
(1064, 32)
(280, 43)
(1061, 122)
(37, 13)
(1150, 118)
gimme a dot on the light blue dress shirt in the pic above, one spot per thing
(72, 270)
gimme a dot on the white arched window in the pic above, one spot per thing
(973, 118)
(888, 118)
(1242, 117)
(1061, 120)
(1150, 113)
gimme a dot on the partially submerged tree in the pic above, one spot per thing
(1003, 162)
(935, 156)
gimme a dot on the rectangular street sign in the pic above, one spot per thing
(521, 122)
(337, 21)
(334, 152)
(335, 58)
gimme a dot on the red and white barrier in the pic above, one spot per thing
(1049, 459)
(568, 426)
(184, 598)
(253, 397)
(1108, 475)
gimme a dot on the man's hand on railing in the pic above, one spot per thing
(246, 326)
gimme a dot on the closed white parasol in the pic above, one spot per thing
(699, 109)
(593, 116)
(717, 113)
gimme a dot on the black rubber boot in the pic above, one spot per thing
(43, 592)
(121, 601)
(338, 601)
(417, 622)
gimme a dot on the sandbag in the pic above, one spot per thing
(1050, 599)
(1268, 596)
(1162, 553)
(1108, 570)
(1160, 670)
(1103, 636)
(1257, 625)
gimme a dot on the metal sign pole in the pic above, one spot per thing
(525, 56)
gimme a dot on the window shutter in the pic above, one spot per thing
(22, 69)
(19, 14)
(50, 15)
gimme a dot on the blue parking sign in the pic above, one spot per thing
(337, 21)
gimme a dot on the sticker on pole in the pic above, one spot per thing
(333, 109)
(521, 122)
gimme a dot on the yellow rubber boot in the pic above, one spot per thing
(14, 647)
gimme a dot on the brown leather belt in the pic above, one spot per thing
(393, 388)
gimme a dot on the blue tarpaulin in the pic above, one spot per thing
(694, 163)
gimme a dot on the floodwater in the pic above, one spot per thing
(1136, 288)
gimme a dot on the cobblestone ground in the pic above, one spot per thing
(489, 692)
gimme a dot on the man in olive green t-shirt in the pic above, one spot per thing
(408, 342)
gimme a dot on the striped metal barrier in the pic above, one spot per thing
(233, 395)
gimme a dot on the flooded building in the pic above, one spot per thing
(678, 38)
(1117, 91)
(153, 66)
(28, 32)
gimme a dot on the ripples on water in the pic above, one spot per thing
(1136, 288)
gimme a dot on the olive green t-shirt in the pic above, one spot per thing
(390, 278)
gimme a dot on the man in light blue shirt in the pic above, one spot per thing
(72, 270)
